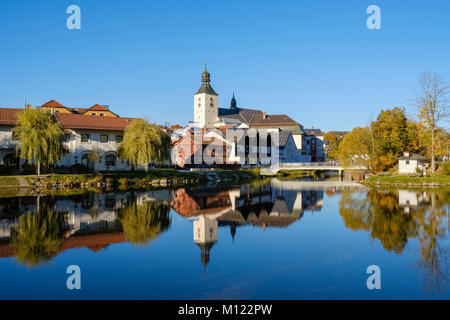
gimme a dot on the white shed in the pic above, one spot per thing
(410, 162)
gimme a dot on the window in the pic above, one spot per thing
(57, 111)
(407, 161)
(93, 114)
(85, 160)
(84, 138)
(110, 202)
(110, 160)
(104, 138)
(101, 114)
(67, 137)
(119, 139)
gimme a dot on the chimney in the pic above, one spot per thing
(264, 115)
(406, 154)
(28, 106)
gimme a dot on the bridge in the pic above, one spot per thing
(312, 166)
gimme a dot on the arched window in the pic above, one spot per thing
(247, 145)
(110, 160)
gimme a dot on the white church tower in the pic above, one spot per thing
(206, 103)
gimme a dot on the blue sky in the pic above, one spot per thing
(313, 60)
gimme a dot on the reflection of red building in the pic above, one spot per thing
(95, 242)
(184, 204)
(197, 202)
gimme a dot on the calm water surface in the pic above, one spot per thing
(277, 240)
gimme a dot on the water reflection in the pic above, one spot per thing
(38, 236)
(40, 228)
(33, 230)
(395, 217)
(264, 206)
(144, 222)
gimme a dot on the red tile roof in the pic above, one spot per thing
(272, 120)
(97, 107)
(78, 110)
(8, 116)
(53, 103)
(79, 121)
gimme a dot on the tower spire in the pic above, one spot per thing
(233, 104)
(206, 76)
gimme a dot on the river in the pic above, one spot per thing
(272, 240)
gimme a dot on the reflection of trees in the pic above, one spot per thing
(379, 213)
(433, 256)
(144, 222)
(38, 236)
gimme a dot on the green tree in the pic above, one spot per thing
(94, 157)
(390, 136)
(432, 104)
(357, 148)
(144, 143)
(333, 145)
(40, 137)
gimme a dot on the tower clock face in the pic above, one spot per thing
(199, 104)
(211, 104)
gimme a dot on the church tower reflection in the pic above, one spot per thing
(269, 205)
(205, 235)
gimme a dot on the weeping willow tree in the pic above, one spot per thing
(94, 157)
(38, 236)
(144, 222)
(143, 143)
(40, 137)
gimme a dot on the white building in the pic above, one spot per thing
(206, 103)
(294, 144)
(89, 133)
(412, 163)
(96, 129)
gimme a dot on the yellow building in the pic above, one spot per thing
(95, 110)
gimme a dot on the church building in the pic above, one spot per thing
(208, 116)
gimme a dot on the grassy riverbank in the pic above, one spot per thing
(157, 178)
(434, 180)
(9, 181)
(117, 179)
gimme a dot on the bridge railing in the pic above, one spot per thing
(279, 165)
